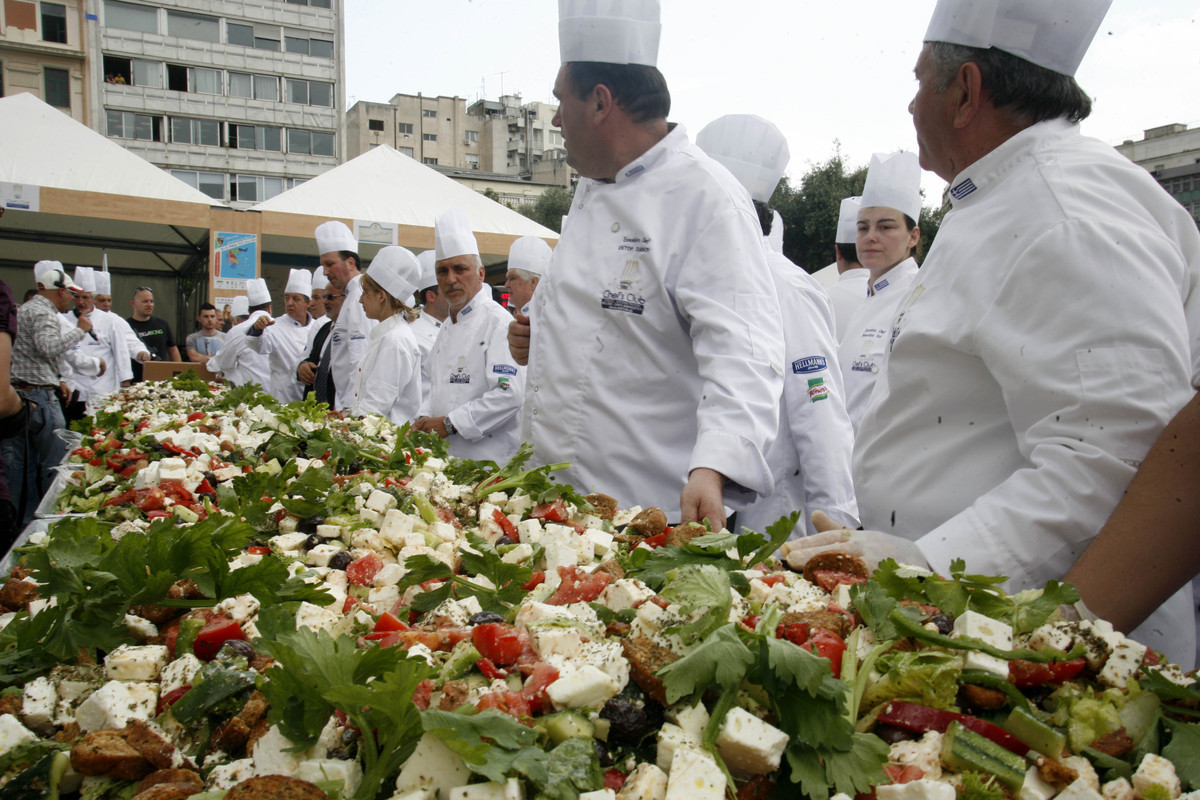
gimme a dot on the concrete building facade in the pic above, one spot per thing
(43, 51)
(1171, 153)
(242, 99)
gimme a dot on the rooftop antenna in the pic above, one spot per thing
(502, 74)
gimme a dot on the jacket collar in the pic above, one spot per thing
(675, 140)
(975, 181)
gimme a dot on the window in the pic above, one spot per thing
(316, 143)
(266, 87)
(211, 183)
(193, 26)
(147, 73)
(241, 85)
(320, 48)
(295, 44)
(193, 79)
(256, 188)
(239, 34)
(406, 127)
(429, 113)
(54, 23)
(472, 137)
(129, 17)
(375, 125)
(255, 137)
(195, 131)
(472, 160)
(313, 93)
(430, 161)
(313, 3)
(58, 87)
(127, 125)
(408, 151)
(429, 137)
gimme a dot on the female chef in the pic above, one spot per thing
(388, 381)
(887, 238)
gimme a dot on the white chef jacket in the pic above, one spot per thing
(133, 344)
(78, 363)
(656, 345)
(810, 457)
(237, 362)
(1041, 351)
(109, 345)
(388, 381)
(425, 328)
(283, 345)
(862, 352)
(349, 342)
(476, 382)
(847, 295)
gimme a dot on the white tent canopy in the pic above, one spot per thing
(386, 186)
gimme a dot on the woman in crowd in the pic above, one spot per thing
(389, 376)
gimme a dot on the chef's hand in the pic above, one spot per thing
(435, 424)
(871, 546)
(703, 498)
(64, 391)
(518, 338)
(262, 322)
(307, 373)
(143, 356)
(83, 323)
(103, 367)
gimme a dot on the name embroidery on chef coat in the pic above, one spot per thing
(917, 291)
(623, 294)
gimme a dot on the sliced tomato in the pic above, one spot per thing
(556, 511)
(614, 779)
(543, 675)
(657, 540)
(350, 602)
(1026, 674)
(506, 526)
(85, 453)
(512, 703)
(490, 670)
(446, 515)
(172, 697)
(443, 639)
(195, 415)
(577, 586)
(794, 632)
(423, 694)
(176, 491)
(771, 580)
(153, 515)
(829, 579)
(388, 622)
(150, 500)
(827, 644)
(903, 773)
(498, 642)
(916, 717)
(216, 632)
(205, 488)
(535, 580)
(259, 550)
(362, 571)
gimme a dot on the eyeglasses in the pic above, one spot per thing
(333, 296)
(143, 289)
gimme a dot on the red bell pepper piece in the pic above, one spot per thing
(915, 717)
(1026, 674)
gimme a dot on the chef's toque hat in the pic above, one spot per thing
(1050, 33)
(428, 261)
(256, 292)
(847, 227)
(241, 306)
(103, 282)
(751, 148)
(396, 270)
(530, 254)
(319, 281)
(85, 278)
(334, 236)
(609, 31)
(452, 235)
(894, 181)
(299, 282)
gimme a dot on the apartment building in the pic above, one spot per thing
(1171, 153)
(43, 51)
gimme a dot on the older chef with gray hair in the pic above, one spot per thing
(282, 339)
(528, 259)
(1052, 331)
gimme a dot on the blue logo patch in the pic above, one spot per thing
(635, 170)
(504, 369)
(810, 364)
(963, 189)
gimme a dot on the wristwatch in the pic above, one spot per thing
(450, 429)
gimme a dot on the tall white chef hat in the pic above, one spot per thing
(847, 227)
(319, 281)
(241, 306)
(428, 261)
(396, 269)
(334, 236)
(257, 292)
(84, 276)
(52, 275)
(894, 181)
(609, 31)
(103, 282)
(750, 147)
(452, 235)
(531, 254)
(299, 282)
(1054, 35)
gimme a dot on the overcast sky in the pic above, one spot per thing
(827, 73)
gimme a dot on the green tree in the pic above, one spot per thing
(491, 194)
(550, 208)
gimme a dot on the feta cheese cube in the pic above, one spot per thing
(389, 575)
(986, 629)
(136, 662)
(530, 531)
(624, 593)
(38, 701)
(1120, 789)
(1035, 787)
(117, 702)
(315, 618)
(288, 542)
(347, 772)
(141, 628)
(694, 775)
(13, 733)
(432, 767)
(380, 501)
(179, 673)
(1080, 790)
(518, 554)
(672, 738)
(517, 505)
(586, 686)
(396, 527)
(599, 794)
(693, 719)
(512, 789)
(923, 789)
(1156, 771)
(319, 556)
(1123, 661)
(239, 608)
(172, 469)
(646, 782)
(748, 745)
(329, 531)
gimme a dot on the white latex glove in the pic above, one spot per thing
(871, 546)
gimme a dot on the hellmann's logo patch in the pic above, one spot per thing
(817, 390)
(504, 369)
(808, 365)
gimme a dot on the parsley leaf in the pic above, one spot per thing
(490, 743)
(1184, 751)
(697, 587)
(722, 660)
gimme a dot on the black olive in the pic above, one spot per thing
(629, 723)
(312, 541)
(891, 734)
(340, 560)
(354, 467)
(211, 477)
(602, 753)
(309, 524)
(340, 754)
(302, 449)
(239, 647)
(944, 623)
(503, 540)
(484, 617)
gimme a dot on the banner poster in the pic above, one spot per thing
(235, 257)
(20, 196)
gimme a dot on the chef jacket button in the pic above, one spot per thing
(535, 388)
(616, 226)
